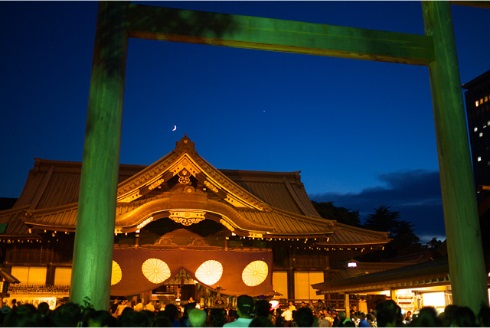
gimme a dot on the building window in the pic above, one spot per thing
(303, 282)
(30, 275)
(280, 282)
(62, 276)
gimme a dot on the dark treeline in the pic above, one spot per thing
(404, 240)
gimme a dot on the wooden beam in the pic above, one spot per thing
(476, 4)
(463, 236)
(248, 32)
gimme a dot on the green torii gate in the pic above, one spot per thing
(118, 21)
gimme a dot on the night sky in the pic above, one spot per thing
(361, 132)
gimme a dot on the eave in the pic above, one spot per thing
(426, 274)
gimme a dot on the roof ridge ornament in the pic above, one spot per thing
(185, 145)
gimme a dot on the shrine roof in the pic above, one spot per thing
(270, 204)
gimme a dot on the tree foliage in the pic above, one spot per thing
(404, 240)
(341, 214)
(383, 220)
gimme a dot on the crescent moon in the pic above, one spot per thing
(174, 128)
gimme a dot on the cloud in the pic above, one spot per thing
(415, 194)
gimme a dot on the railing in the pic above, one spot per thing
(335, 303)
(39, 289)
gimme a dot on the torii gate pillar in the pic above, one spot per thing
(94, 237)
(463, 237)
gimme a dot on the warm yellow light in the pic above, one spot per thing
(209, 272)
(255, 273)
(155, 270)
(116, 275)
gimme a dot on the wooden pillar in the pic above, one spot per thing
(94, 238)
(50, 274)
(291, 291)
(347, 305)
(326, 277)
(393, 294)
(463, 236)
(137, 239)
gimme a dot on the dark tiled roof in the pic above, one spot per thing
(276, 188)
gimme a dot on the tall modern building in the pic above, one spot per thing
(477, 97)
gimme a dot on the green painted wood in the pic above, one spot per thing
(95, 224)
(94, 238)
(277, 35)
(465, 252)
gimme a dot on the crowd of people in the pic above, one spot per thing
(249, 312)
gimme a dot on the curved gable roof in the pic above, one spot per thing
(253, 203)
(185, 158)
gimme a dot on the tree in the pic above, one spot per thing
(341, 214)
(404, 240)
(383, 220)
(434, 243)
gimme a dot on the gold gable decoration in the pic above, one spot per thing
(185, 166)
(187, 218)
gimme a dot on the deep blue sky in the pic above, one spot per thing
(361, 132)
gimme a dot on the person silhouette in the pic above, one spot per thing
(245, 306)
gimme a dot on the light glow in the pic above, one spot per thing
(116, 274)
(255, 273)
(209, 272)
(155, 270)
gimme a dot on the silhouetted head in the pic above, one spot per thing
(245, 305)
(197, 317)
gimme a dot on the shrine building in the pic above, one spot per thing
(183, 229)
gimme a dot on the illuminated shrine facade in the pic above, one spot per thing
(183, 228)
